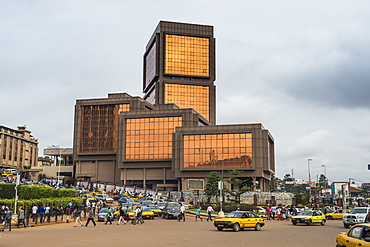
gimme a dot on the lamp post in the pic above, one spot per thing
(309, 178)
(326, 179)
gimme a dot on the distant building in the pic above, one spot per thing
(169, 139)
(18, 148)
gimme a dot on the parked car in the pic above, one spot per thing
(358, 235)
(102, 215)
(104, 197)
(309, 217)
(147, 213)
(156, 210)
(238, 220)
(170, 212)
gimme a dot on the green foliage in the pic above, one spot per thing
(211, 188)
(52, 202)
(239, 187)
(26, 192)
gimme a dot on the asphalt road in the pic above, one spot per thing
(162, 232)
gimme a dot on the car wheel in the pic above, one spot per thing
(236, 227)
(220, 228)
(257, 227)
(294, 223)
(329, 217)
(345, 225)
(323, 222)
(152, 217)
(309, 223)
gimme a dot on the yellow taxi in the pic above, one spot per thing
(358, 235)
(337, 214)
(156, 210)
(146, 212)
(309, 217)
(238, 220)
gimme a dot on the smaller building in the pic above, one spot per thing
(18, 148)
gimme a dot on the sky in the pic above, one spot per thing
(301, 68)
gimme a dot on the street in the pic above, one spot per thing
(161, 232)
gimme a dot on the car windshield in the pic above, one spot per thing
(307, 213)
(173, 208)
(146, 209)
(359, 211)
(235, 215)
(162, 203)
(154, 207)
(103, 210)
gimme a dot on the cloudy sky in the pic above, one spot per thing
(301, 68)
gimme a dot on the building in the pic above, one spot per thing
(18, 148)
(169, 140)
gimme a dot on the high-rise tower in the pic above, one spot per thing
(179, 67)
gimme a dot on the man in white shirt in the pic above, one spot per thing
(34, 213)
(209, 212)
(182, 213)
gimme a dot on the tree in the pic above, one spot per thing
(288, 178)
(211, 189)
(239, 186)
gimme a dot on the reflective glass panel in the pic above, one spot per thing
(217, 151)
(187, 55)
(188, 96)
(150, 138)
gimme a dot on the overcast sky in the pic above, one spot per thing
(301, 68)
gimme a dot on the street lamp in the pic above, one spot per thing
(309, 172)
(309, 177)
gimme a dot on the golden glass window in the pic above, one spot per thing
(150, 138)
(99, 127)
(187, 55)
(188, 96)
(150, 65)
(218, 151)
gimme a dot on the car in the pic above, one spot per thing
(170, 212)
(104, 197)
(357, 215)
(239, 220)
(156, 210)
(161, 205)
(102, 215)
(358, 235)
(147, 213)
(309, 217)
(337, 214)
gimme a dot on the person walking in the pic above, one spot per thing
(138, 216)
(109, 216)
(122, 215)
(182, 213)
(77, 214)
(41, 213)
(209, 212)
(90, 217)
(34, 213)
(21, 217)
(197, 214)
(8, 219)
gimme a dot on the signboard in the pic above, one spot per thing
(58, 151)
(195, 184)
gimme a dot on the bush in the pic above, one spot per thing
(27, 192)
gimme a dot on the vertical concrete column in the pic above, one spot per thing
(144, 178)
(164, 175)
(125, 177)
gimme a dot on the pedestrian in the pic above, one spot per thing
(278, 212)
(138, 216)
(182, 213)
(77, 214)
(47, 214)
(109, 216)
(209, 212)
(8, 219)
(21, 217)
(273, 212)
(41, 213)
(122, 215)
(34, 213)
(268, 212)
(90, 217)
(197, 214)
(68, 213)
